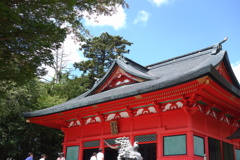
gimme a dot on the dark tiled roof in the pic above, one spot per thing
(235, 135)
(160, 75)
(128, 66)
(135, 69)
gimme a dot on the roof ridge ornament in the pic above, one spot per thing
(224, 40)
(121, 57)
(220, 43)
(214, 49)
(218, 46)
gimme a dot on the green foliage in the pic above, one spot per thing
(30, 30)
(46, 99)
(71, 88)
(68, 88)
(17, 137)
(27, 36)
(101, 52)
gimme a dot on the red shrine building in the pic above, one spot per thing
(184, 108)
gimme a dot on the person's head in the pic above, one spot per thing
(30, 154)
(43, 155)
(94, 153)
(61, 154)
(99, 150)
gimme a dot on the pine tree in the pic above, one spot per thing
(101, 52)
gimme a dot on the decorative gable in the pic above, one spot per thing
(118, 78)
(222, 70)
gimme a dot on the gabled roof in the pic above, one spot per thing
(128, 66)
(153, 77)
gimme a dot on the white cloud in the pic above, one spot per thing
(117, 21)
(236, 70)
(158, 3)
(142, 16)
(71, 49)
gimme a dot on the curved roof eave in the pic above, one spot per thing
(136, 89)
(214, 56)
(224, 83)
(139, 71)
(230, 71)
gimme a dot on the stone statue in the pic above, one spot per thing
(125, 150)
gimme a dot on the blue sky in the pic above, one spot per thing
(163, 29)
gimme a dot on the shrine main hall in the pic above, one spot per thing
(184, 108)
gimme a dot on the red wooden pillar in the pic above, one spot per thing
(102, 144)
(190, 144)
(159, 146)
(221, 149)
(80, 151)
(206, 139)
(64, 140)
(131, 138)
(206, 147)
(190, 139)
(160, 137)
